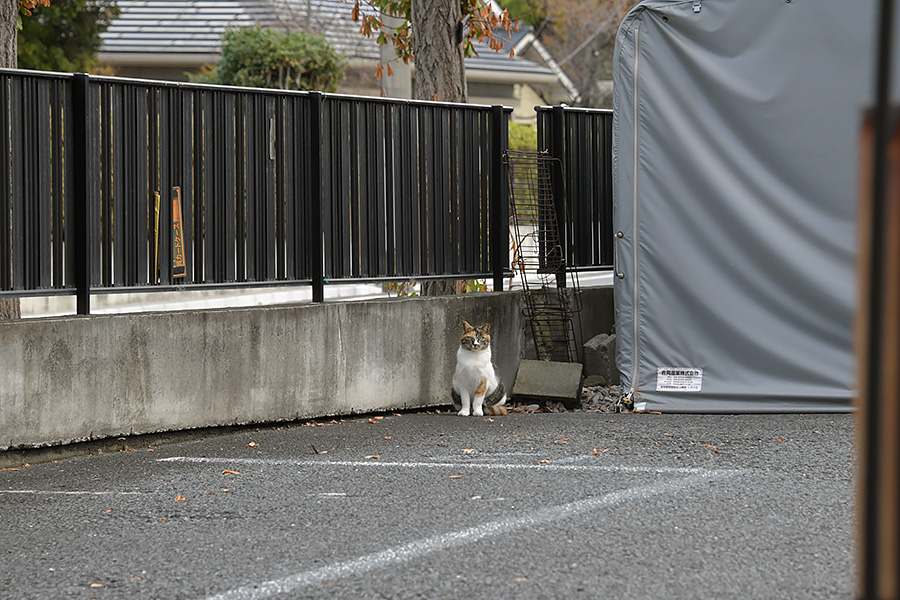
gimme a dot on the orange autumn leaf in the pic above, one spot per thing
(229, 472)
(180, 498)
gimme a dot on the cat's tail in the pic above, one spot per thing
(498, 409)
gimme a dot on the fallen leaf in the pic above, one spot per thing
(562, 441)
(226, 491)
(96, 585)
(373, 456)
(387, 437)
(210, 493)
(180, 498)
(456, 477)
(378, 418)
(313, 446)
(252, 445)
(520, 579)
(489, 420)
(150, 450)
(816, 431)
(468, 450)
(229, 472)
(372, 421)
(9, 469)
(598, 452)
(106, 512)
(545, 461)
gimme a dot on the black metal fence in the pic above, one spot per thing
(114, 184)
(582, 139)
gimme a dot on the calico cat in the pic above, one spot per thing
(476, 386)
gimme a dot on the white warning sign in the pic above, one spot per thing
(679, 379)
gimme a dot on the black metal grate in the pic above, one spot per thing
(551, 302)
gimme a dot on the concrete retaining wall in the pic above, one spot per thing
(77, 378)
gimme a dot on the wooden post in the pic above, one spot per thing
(878, 336)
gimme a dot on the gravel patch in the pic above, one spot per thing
(600, 398)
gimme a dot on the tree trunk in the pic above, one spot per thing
(9, 31)
(437, 51)
(440, 73)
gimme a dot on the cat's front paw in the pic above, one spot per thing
(479, 412)
(463, 413)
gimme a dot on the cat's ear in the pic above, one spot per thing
(467, 327)
(485, 328)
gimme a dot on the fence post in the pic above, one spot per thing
(499, 200)
(314, 227)
(82, 230)
(558, 151)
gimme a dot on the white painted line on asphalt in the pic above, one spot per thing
(70, 493)
(433, 465)
(453, 539)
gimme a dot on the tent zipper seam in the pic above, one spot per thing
(634, 225)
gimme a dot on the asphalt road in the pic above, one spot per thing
(572, 505)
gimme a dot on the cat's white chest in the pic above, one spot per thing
(472, 368)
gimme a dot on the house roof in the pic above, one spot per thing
(190, 32)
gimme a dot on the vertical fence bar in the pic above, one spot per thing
(499, 228)
(82, 217)
(44, 211)
(557, 150)
(17, 158)
(315, 183)
(58, 109)
(6, 198)
(380, 168)
(270, 212)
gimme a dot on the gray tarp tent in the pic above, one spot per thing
(735, 181)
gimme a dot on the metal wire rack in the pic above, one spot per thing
(551, 302)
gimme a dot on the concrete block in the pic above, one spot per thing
(600, 358)
(545, 381)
